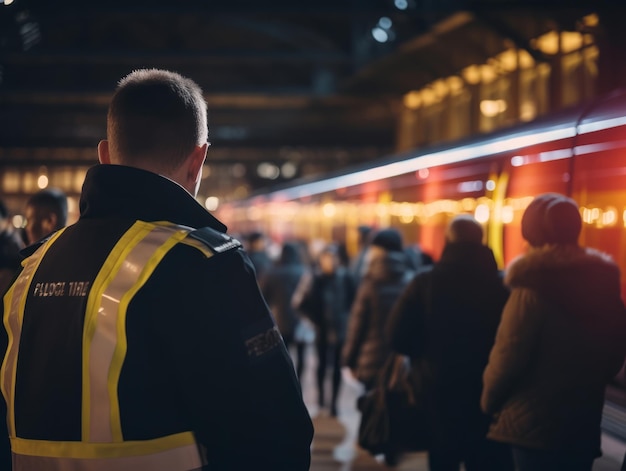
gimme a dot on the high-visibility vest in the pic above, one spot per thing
(102, 446)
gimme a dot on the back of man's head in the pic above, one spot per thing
(464, 229)
(155, 119)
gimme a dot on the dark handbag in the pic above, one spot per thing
(394, 415)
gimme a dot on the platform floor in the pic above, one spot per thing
(334, 444)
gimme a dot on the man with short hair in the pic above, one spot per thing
(46, 212)
(143, 340)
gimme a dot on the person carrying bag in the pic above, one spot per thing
(394, 413)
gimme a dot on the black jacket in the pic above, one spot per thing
(447, 318)
(201, 350)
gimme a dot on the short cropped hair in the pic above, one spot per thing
(465, 229)
(50, 201)
(157, 117)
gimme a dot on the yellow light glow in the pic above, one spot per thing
(429, 96)
(547, 43)
(508, 60)
(42, 181)
(472, 74)
(609, 217)
(381, 210)
(468, 204)
(455, 83)
(212, 203)
(491, 108)
(329, 210)
(406, 218)
(412, 100)
(526, 61)
(528, 111)
(571, 41)
(488, 73)
(507, 214)
(440, 88)
(18, 221)
(591, 20)
(482, 213)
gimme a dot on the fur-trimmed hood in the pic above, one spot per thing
(566, 272)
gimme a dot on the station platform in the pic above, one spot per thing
(334, 444)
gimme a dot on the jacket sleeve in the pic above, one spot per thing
(405, 327)
(358, 323)
(236, 377)
(515, 343)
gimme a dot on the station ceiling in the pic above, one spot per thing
(285, 80)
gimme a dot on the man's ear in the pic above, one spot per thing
(197, 158)
(103, 152)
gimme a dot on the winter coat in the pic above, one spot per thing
(278, 287)
(561, 340)
(446, 321)
(326, 302)
(366, 348)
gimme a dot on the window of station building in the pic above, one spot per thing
(459, 116)
(579, 72)
(533, 92)
(495, 99)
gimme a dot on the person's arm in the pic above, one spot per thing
(358, 323)
(512, 352)
(237, 380)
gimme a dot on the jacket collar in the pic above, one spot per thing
(118, 191)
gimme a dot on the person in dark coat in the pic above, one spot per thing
(326, 299)
(560, 343)
(446, 321)
(366, 348)
(278, 287)
(258, 254)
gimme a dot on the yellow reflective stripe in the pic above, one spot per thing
(109, 269)
(21, 446)
(105, 348)
(14, 304)
(7, 381)
(156, 255)
(179, 459)
(201, 246)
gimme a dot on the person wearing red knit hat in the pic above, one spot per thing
(560, 341)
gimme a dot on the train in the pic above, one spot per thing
(579, 152)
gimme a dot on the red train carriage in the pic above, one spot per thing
(581, 153)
